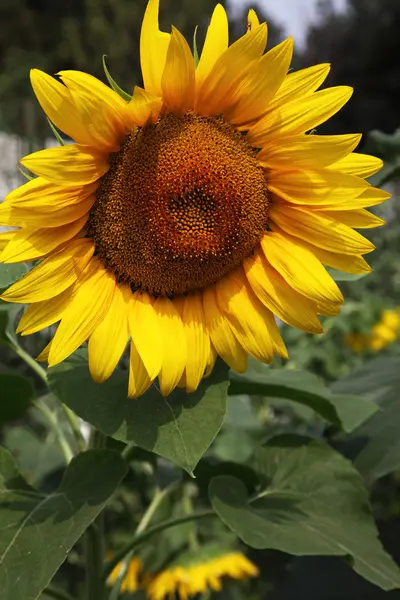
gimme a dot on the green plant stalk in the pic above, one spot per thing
(94, 541)
(188, 508)
(31, 362)
(59, 434)
(74, 424)
(94, 556)
(144, 522)
(70, 416)
(139, 539)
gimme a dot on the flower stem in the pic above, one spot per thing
(58, 432)
(94, 541)
(94, 563)
(138, 539)
(74, 424)
(31, 362)
(143, 524)
(70, 416)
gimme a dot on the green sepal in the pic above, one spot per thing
(56, 134)
(195, 51)
(113, 84)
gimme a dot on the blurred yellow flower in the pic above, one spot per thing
(130, 583)
(187, 581)
(384, 333)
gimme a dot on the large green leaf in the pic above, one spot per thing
(37, 532)
(17, 394)
(313, 502)
(10, 273)
(379, 380)
(343, 410)
(179, 428)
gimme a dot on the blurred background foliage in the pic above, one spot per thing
(363, 45)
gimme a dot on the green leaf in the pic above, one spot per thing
(345, 411)
(58, 137)
(113, 84)
(378, 380)
(17, 394)
(10, 273)
(179, 428)
(37, 532)
(195, 51)
(37, 456)
(313, 502)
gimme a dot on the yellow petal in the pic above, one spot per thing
(178, 79)
(44, 216)
(362, 165)
(212, 359)
(153, 49)
(226, 344)
(342, 262)
(278, 345)
(44, 355)
(215, 44)
(94, 293)
(252, 20)
(53, 275)
(173, 344)
(58, 104)
(323, 187)
(359, 219)
(301, 269)
(215, 94)
(143, 108)
(245, 315)
(40, 194)
(300, 84)
(68, 165)
(108, 341)
(145, 331)
(370, 197)
(30, 244)
(299, 116)
(43, 314)
(260, 85)
(197, 340)
(102, 109)
(139, 380)
(307, 151)
(273, 291)
(324, 233)
(5, 237)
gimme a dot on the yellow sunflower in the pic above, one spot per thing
(131, 581)
(185, 219)
(196, 578)
(382, 334)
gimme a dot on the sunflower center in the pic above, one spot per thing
(183, 203)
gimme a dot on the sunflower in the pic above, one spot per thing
(382, 334)
(131, 580)
(198, 576)
(184, 219)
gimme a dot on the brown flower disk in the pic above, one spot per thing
(184, 202)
